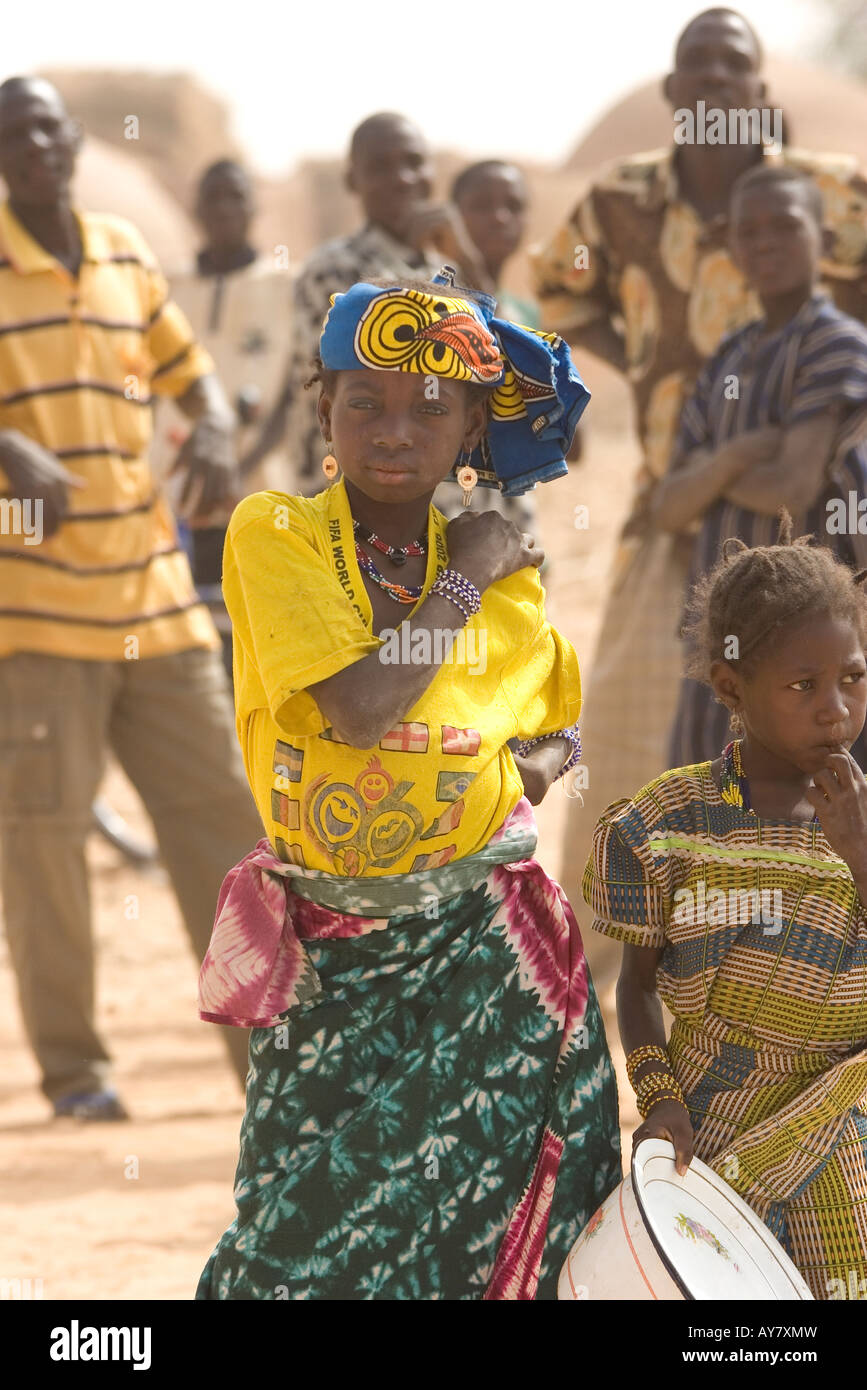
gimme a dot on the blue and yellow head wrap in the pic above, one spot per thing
(537, 396)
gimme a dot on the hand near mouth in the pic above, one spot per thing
(839, 798)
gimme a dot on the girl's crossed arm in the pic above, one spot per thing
(367, 698)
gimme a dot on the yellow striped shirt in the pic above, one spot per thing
(80, 359)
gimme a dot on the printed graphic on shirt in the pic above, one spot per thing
(435, 860)
(451, 786)
(367, 825)
(465, 742)
(288, 761)
(341, 568)
(442, 554)
(331, 737)
(285, 811)
(374, 783)
(450, 819)
(406, 738)
(290, 854)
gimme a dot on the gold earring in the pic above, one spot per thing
(330, 466)
(467, 478)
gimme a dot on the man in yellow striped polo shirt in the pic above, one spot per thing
(103, 641)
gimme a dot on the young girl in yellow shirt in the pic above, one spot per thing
(431, 1110)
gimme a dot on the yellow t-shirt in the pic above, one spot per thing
(442, 781)
(80, 360)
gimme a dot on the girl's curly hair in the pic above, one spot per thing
(757, 595)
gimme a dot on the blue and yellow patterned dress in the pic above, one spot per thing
(764, 968)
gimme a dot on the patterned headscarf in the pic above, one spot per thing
(537, 396)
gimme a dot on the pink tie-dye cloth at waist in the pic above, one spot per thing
(256, 966)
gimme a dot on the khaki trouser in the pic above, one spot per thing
(169, 721)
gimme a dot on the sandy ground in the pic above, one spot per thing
(132, 1210)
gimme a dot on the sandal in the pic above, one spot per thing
(90, 1105)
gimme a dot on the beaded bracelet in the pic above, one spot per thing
(658, 1086)
(459, 591)
(656, 1081)
(572, 734)
(644, 1054)
(645, 1106)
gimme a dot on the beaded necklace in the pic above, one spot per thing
(734, 788)
(734, 783)
(397, 554)
(401, 593)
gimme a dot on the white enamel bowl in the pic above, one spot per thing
(660, 1236)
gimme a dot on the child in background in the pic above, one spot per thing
(778, 417)
(431, 1111)
(239, 304)
(490, 199)
(738, 888)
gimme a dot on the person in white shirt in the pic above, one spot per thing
(239, 302)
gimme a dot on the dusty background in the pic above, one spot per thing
(183, 127)
(132, 1210)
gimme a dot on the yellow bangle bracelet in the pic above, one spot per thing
(662, 1087)
(645, 1106)
(650, 1051)
(656, 1081)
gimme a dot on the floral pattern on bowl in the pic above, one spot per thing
(693, 1230)
(594, 1223)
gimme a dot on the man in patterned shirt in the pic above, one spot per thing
(640, 274)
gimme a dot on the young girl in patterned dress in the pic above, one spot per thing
(431, 1111)
(738, 888)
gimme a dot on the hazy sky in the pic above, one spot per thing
(517, 77)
